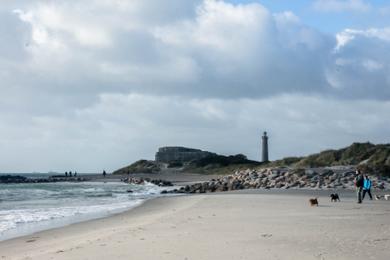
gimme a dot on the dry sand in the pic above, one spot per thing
(221, 226)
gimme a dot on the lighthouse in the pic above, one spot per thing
(264, 144)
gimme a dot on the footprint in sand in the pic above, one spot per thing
(266, 235)
(32, 239)
(321, 256)
(380, 240)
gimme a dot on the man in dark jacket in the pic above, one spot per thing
(359, 182)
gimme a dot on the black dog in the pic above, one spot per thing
(313, 202)
(334, 197)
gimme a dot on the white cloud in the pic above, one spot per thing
(348, 35)
(110, 81)
(361, 63)
(341, 5)
(57, 24)
(344, 37)
(218, 50)
(217, 47)
(118, 129)
(372, 65)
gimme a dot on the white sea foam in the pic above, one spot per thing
(29, 208)
(10, 219)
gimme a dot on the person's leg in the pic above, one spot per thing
(364, 194)
(369, 194)
(359, 195)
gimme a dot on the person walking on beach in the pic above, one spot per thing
(359, 182)
(104, 173)
(367, 187)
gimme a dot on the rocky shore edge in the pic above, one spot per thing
(141, 181)
(281, 178)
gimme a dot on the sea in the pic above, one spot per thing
(28, 208)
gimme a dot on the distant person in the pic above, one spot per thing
(367, 187)
(75, 174)
(70, 174)
(359, 182)
(104, 173)
(66, 174)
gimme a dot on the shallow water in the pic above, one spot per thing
(27, 208)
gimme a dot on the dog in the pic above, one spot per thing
(378, 197)
(334, 197)
(313, 202)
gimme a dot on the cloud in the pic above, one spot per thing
(120, 128)
(342, 6)
(344, 37)
(110, 81)
(216, 49)
(361, 63)
(247, 46)
(209, 53)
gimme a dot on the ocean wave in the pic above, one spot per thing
(26, 206)
(10, 219)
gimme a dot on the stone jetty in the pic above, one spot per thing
(14, 179)
(282, 178)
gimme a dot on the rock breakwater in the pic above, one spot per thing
(282, 178)
(15, 179)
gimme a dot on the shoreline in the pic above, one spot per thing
(221, 221)
(345, 193)
(60, 223)
(32, 226)
(29, 208)
(82, 222)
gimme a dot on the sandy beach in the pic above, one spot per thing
(234, 225)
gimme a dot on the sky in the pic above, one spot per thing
(95, 85)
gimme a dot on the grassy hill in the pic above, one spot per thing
(367, 156)
(141, 166)
(212, 164)
(374, 158)
(220, 164)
